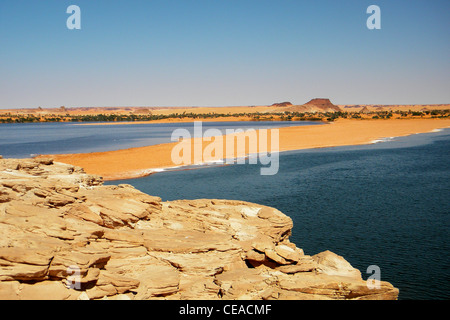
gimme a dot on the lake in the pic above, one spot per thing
(22, 140)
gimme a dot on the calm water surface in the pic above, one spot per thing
(23, 140)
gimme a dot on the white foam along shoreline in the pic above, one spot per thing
(387, 139)
(225, 161)
(205, 164)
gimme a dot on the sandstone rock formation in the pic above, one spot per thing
(67, 236)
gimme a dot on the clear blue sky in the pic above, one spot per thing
(223, 53)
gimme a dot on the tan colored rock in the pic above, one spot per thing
(295, 268)
(59, 200)
(46, 290)
(263, 243)
(255, 256)
(45, 161)
(272, 255)
(304, 264)
(82, 211)
(6, 195)
(158, 281)
(9, 290)
(244, 284)
(332, 264)
(23, 272)
(322, 286)
(186, 241)
(197, 287)
(287, 252)
(65, 261)
(40, 257)
(110, 284)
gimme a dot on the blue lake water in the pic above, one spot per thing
(384, 204)
(28, 139)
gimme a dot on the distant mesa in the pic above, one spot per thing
(322, 104)
(143, 111)
(282, 104)
(313, 106)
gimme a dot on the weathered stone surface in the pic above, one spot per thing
(287, 252)
(322, 286)
(9, 290)
(47, 290)
(6, 195)
(40, 257)
(304, 264)
(67, 236)
(332, 264)
(272, 255)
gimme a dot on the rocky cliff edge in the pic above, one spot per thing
(67, 236)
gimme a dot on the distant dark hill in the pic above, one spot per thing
(324, 104)
(313, 106)
(282, 104)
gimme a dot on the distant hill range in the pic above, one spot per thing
(313, 106)
(318, 105)
(282, 104)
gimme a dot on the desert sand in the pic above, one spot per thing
(142, 161)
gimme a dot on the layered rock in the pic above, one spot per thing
(324, 104)
(65, 235)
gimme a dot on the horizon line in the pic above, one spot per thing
(209, 106)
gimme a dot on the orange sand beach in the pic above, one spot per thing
(142, 161)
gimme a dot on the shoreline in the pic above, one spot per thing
(116, 165)
(172, 120)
